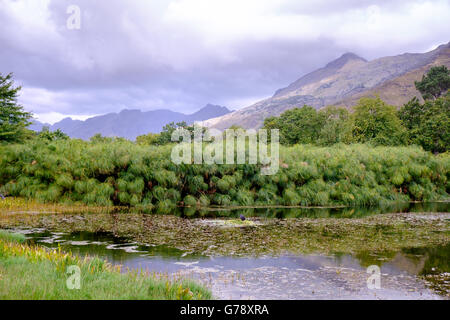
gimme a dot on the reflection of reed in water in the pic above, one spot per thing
(312, 212)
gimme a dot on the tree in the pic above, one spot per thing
(435, 83)
(428, 123)
(13, 119)
(46, 134)
(165, 136)
(299, 125)
(236, 129)
(433, 134)
(376, 122)
(337, 126)
(148, 139)
(98, 138)
(411, 113)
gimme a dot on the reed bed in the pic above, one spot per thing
(123, 174)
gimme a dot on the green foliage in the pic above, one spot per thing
(65, 180)
(299, 125)
(204, 201)
(373, 122)
(149, 139)
(165, 137)
(45, 271)
(337, 126)
(98, 138)
(123, 173)
(376, 122)
(244, 197)
(411, 114)
(428, 123)
(13, 119)
(48, 135)
(435, 83)
(291, 197)
(12, 237)
(190, 201)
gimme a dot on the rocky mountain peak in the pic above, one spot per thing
(343, 60)
(343, 81)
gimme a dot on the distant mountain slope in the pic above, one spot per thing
(400, 90)
(320, 75)
(130, 123)
(37, 126)
(342, 81)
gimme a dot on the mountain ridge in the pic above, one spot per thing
(129, 123)
(341, 79)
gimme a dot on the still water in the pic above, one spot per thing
(268, 277)
(315, 212)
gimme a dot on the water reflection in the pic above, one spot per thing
(340, 276)
(340, 212)
(431, 260)
(117, 250)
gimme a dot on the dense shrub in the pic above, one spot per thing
(298, 125)
(428, 123)
(123, 173)
(372, 121)
(376, 122)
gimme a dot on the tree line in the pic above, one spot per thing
(373, 121)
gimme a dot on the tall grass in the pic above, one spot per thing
(11, 237)
(33, 272)
(122, 173)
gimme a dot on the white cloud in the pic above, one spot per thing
(39, 99)
(53, 117)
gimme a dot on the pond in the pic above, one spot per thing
(306, 276)
(277, 253)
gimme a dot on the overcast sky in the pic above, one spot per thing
(183, 54)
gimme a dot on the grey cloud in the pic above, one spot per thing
(127, 55)
(334, 6)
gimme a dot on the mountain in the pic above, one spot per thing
(329, 70)
(37, 126)
(130, 123)
(400, 90)
(343, 82)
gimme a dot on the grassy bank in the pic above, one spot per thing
(31, 272)
(12, 204)
(121, 173)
